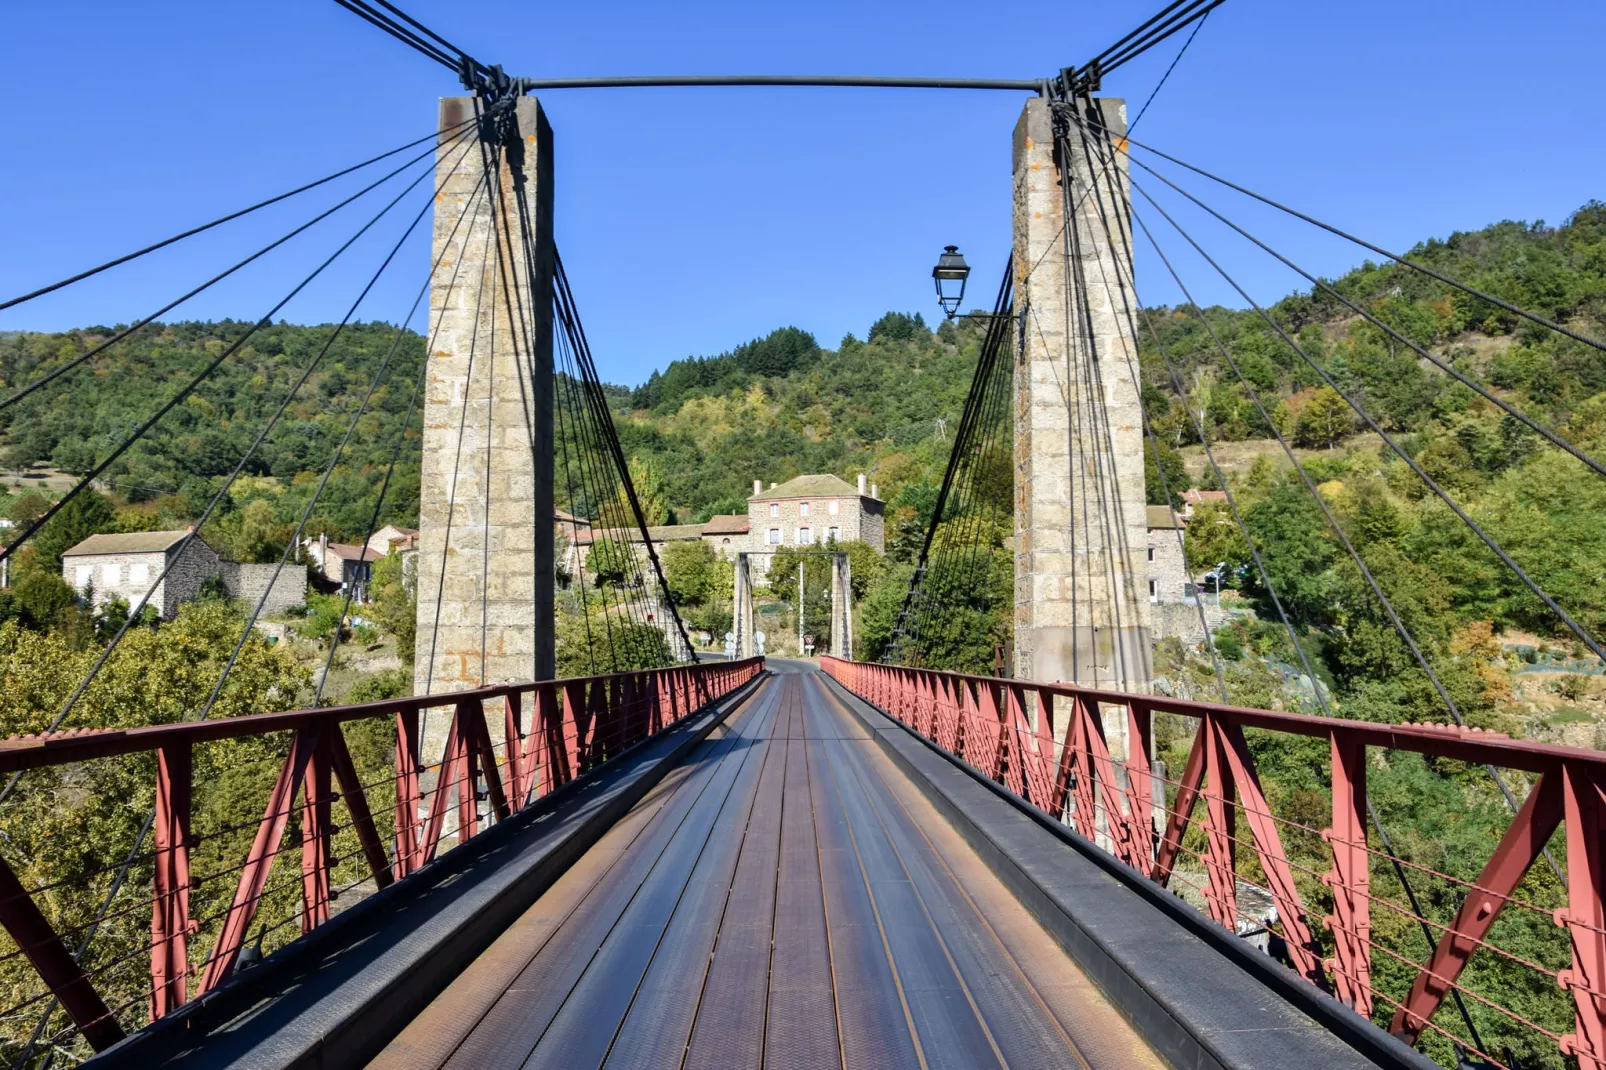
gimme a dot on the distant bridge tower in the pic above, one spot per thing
(1081, 584)
(742, 622)
(485, 509)
(841, 606)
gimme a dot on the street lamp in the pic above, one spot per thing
(950, 275)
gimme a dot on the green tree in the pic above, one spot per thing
(87, 514)
(1324, 420)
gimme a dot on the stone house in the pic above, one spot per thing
(342, 566)
(812, 510)
(132, 564)
(162, 564)
(809, 511)
(1174, 599)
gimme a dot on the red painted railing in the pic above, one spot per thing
(1047, 743)
(575, 725)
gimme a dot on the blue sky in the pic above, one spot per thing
(692, 220)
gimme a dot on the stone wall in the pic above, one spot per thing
(247, 582)
(130, 575)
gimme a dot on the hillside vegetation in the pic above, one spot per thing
(698, 432)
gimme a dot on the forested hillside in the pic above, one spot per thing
(698, 432)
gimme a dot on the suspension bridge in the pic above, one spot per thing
(617, 852)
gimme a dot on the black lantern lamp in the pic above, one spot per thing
(950, 275)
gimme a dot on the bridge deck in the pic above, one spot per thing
(786, 898)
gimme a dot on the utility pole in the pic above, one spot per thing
(800, 607)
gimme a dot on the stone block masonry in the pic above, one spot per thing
(485, 510)
(1081, 603)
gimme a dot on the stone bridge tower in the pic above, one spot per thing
(485, 510)
(1081, 587)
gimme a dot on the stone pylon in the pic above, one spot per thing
(742, 609)
(485, 511)
(841, 606)
(1081, 584)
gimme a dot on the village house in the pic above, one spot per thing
(809, 511)
(1174, 600)
(343, 567)
(172, 570)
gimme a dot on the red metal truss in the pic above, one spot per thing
(575, 723)
(1046, 743)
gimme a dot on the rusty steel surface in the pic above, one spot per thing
(786, 898)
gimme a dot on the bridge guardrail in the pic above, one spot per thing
(576, 725)
(1047, 743)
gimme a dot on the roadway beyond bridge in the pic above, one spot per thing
(786, 897)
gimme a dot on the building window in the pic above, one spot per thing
(724, 542)
(1154, 591)
(805, 537)
(833, 507)
(803, 509)
(139, 574)
(1151, 553)
(111, 574)
(834, 534)
(775, 536)
(775, 509)
(86, 576)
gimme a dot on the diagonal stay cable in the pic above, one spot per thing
(1439, 362)
(202, 228)
(1414, 265)
(1561, 614)
(1332, 522)
(150, 819)
(1375, 817)
(178, 554)
(205, 373)
(95, 351)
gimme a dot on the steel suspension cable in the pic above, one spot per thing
(202, 228)
(196, 381)
(1405, 261)
(1332, 522)
(1439, 362)
(95, 351)
(1375, 817)
(1577, 629)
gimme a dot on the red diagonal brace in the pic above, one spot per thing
(1181, 809)
(1540, 814)
(64, 976)
(254, 878)
(1269, 849)
(362, 819)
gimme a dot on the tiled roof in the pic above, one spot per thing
(726, 525)
(1196, 496)
(348, 552)
(1160, 516)
(133, 542)
(659, 534)
(817, 486)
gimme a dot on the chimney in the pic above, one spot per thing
(772, 484)
(758, 487)
(861, 484)
(875, 492)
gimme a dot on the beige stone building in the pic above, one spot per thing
(159, 563)
(806, 512)
(1175, 600)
